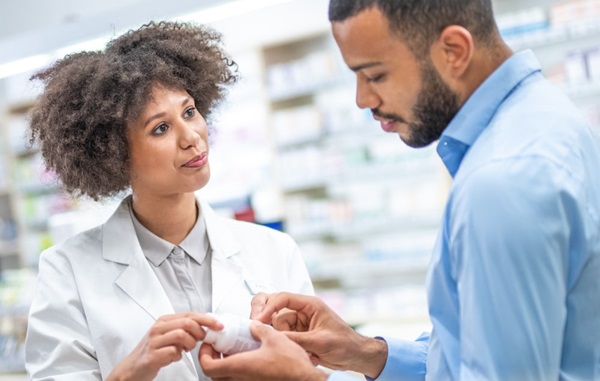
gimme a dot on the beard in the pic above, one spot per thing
(436, 105)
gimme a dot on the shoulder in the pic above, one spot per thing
(78, 248)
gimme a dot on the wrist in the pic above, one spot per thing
(373, 357)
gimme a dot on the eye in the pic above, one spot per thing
(190, 112)
(375, 79)
(160, 129)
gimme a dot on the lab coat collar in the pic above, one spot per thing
(120, 245)
(223, 243)
(139, 281)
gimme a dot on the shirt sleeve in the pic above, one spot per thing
(406, 359)
(512, 228)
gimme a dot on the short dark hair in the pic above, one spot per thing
(420, 22)
(80, 120)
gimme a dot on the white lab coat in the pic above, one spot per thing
(97, 295)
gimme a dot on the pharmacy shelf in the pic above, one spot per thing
(552, 36)
(364, 227)
(587, 90)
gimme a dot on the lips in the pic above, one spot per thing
(386, 124)
(197, 161)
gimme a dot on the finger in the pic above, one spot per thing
(260, 331)
(213, 365)
(208, 350)
(207, 321)
(188, 325)
(167, 355)
(304, 339)
(176, 338)
(257, 304)
(295, 302)
(285, 320)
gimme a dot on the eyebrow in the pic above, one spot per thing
(162, 114)
(365, 66)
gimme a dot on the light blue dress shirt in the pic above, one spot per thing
(514, 282)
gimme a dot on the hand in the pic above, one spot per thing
(278, 358)
(321, 332)
(163, 344)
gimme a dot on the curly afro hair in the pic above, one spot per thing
(90, 98)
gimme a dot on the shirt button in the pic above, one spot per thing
(177, 251)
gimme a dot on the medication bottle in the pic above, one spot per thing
(235, 336)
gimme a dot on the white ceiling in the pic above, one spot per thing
(28, 27)
(23, 16)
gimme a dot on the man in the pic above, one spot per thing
(514, 281)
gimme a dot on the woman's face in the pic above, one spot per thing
(168, 146)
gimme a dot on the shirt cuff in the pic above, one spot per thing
(407, 360)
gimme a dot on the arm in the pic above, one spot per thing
(510, 242)
(59, 344)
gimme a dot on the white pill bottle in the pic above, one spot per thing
(235, 336)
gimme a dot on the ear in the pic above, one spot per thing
(452, 52)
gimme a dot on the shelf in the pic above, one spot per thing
(554, 35)
(8, 248)
(365, 227)
(379, 172)
(587, 90)
(38, 189)
(307, 89)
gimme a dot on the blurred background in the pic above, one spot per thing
(290, 150)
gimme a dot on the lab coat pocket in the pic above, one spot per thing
(256, 286)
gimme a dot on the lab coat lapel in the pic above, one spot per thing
(137, 279)
(227, 273)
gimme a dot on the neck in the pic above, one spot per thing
(484, 63)
(169, 217)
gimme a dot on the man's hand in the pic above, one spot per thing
(331, 342)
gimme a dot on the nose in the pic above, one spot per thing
(190, 134)
(365, 97)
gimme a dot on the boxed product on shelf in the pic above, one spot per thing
(593, 64)
(576, 68)
(298, 124)
(523, 21)
(16, 291)
(574, 12)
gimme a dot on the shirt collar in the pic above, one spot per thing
(156, 249)
(475, 115)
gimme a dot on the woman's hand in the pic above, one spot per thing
(163, 344)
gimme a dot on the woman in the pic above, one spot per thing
(128, 299)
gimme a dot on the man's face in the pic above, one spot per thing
(406, 95)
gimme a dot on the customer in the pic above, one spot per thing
(514, 281)
(126, 300)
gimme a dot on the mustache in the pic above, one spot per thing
(392, 117)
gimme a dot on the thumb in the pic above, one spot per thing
(304, 339)
(260, 331)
